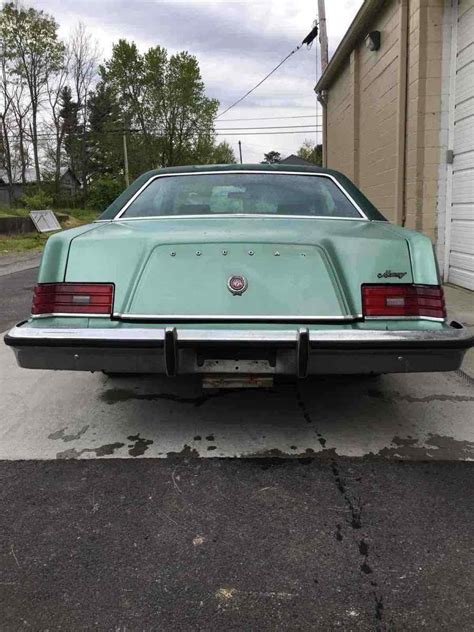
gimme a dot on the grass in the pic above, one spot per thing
(10, 244)
(85, 215)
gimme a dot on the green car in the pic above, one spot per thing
(240, 273)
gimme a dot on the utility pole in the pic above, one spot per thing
(125, 159)
(240, 151)
(323, 37)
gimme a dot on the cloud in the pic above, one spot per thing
(237, 43)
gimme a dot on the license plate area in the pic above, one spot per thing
(236, 361)
(236, 366)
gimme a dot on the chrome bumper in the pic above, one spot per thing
(297, 352)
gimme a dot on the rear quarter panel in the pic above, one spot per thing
(55, 256)
(424, 264)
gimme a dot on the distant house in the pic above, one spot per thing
(69, 184)
(296, 160)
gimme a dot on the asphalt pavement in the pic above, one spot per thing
(143, 504)
(16, 292)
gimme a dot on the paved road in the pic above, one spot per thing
(16, 292)
(350, 505)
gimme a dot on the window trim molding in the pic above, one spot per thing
(119, 215)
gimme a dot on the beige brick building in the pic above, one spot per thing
(398, 119)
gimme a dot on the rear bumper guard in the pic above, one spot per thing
(300, 352)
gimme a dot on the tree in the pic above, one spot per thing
(84, 54)
(58, 91)
(69, 129)
(223, 154)
(272, 157)
(179, 102)
(21, 108)
(105, 138)
(31, 44)
(162, 100)
(5, 110)
(311, 152)
(124, 72)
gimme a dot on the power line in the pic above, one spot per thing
(221, 129)
(307, 40)
(260, 82)
(308, 131)
(267, 118)
(310, 127)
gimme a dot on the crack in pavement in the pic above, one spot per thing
(355, 507)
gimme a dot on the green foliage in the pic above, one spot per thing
(271, 157)
(162, 99)
(31, 43)
(37, 201)
(64, 200)
(103, 192)
(311, 152)
(105, 140)
(223, 154)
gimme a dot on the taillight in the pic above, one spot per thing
(73, 298)
(403, 300)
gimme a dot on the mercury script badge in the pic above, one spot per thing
(388, 274)
(237, 284)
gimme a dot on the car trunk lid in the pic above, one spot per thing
(280, 281)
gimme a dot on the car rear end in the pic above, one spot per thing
(239, 297)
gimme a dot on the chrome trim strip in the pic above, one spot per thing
(429, 318)
(68, 315)
(237, 317)
(453, 334)
(232, 215)
(246, 171)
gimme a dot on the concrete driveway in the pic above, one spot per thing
(67, 415)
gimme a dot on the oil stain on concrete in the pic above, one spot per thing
(434, 447)
(140, 445)
(61, 434)
(103, 450)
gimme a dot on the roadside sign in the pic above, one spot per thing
(45, 221)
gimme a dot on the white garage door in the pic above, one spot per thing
(460, 242)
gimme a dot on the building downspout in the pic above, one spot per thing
(323, 98)
(355, 88)
(400, 197)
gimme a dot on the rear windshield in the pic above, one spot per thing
(249, 193)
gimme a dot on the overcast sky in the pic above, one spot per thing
(237, 42)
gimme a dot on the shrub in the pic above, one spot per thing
(64, 200)
(38, 201)
(103, 192)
